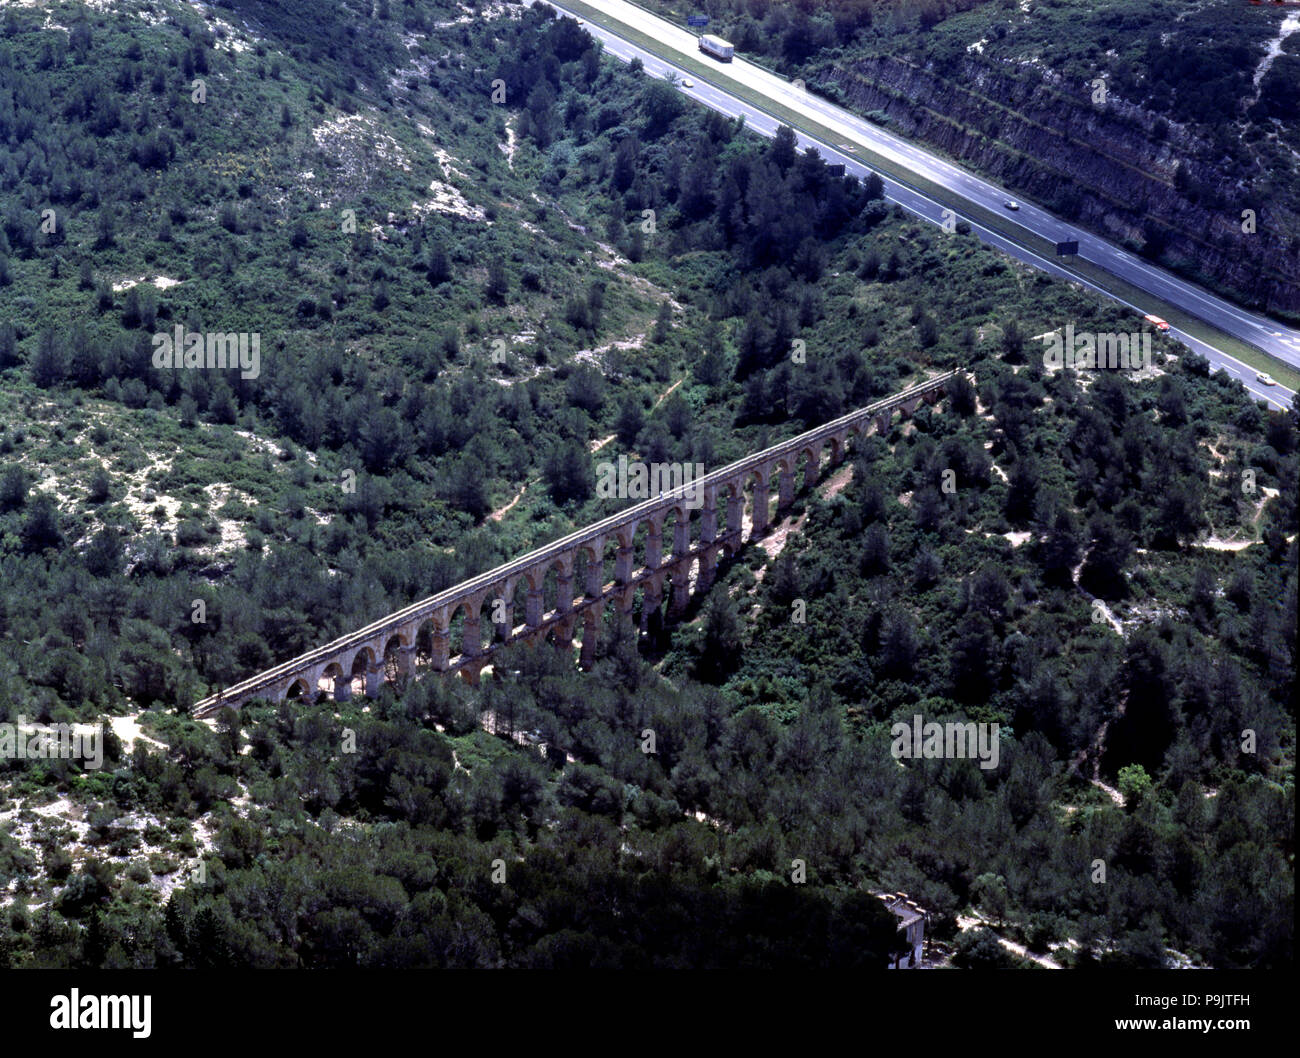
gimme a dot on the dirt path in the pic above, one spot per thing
(775, 540)
(508, 148)
(977, 920)
(128, 730)
(1095, 751)
(1111, 792)
(665, 394)
(501, 512)
(1106, 611)
(837, 482)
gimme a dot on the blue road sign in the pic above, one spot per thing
(697, 20)
(1064, 249)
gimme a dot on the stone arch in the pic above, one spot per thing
(455, 619)
(786, 480)
(724, 501)
(550, 588)
(589, 570)
(461, 617)
(641, 545)
(855, 437)
(363, 662)
(648, 603)
(709, 494)
(620, 557)
(533, 576)
(810, 458)
(332, 683)
(498, 601)
(469, 672)
(680, 584)
(731, 513)
(610, 547)
(298, 690)
(470, 605)
(562, 635)
(516, 608)
(836, 444)
(634, 603)
(546, 578)
(396, 656)
(760, 499)
(486, 609)
(529, 595)
(587, 632)
(670, 532)
(648, 541)
(507, 587)
(424, 641)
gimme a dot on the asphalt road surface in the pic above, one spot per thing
(1260, 331)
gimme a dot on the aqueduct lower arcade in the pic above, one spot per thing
(654, 550)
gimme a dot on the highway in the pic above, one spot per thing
(852, 131)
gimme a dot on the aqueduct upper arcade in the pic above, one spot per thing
(460, 628)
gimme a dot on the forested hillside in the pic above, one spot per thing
(1152, 122)
(480, 257)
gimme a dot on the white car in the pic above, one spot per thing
(1011, 204)
(1266, 378)
(687, 83)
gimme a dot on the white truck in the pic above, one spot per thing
(717, 47)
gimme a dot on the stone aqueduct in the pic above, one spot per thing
(448, 630)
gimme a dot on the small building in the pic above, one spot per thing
(911, 922)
